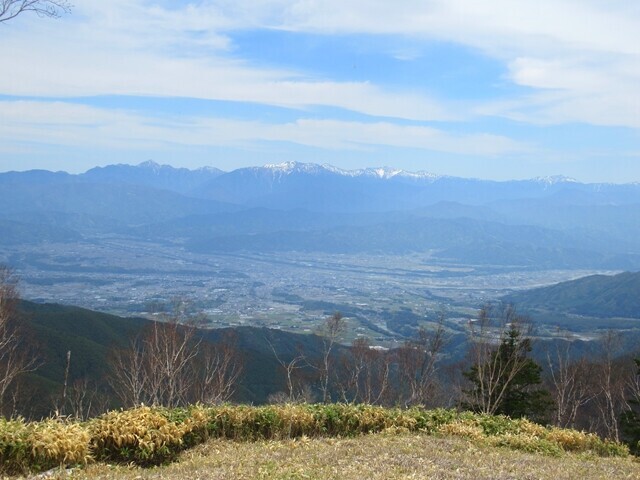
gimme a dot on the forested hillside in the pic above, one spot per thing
(595, 295)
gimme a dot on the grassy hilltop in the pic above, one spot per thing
(373, 457)
(307, 441)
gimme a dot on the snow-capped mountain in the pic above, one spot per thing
(384, 173)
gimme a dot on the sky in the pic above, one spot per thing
(498, 89)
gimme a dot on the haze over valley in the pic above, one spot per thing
(285, 245)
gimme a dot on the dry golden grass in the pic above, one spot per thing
(150, 436)
(371, 457)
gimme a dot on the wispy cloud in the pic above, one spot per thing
(587, 50)
(61, 123)
(152, 53)
(565, 62)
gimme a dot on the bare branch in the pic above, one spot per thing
(10, 9)
(15, 355)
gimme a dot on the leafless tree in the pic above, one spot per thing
(16, 358)
(611, 376)
(364, 374)
(633, 385)
(331, 331)
(492, 374)
(157, 366)
(295, 389)
(128, 377)
(170, 348)
(571, 388)
(169, 364)
(417, 363)
(217, 370)
(83, 400)
(9, 9)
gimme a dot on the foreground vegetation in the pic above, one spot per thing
(376, 457)
(146, 436)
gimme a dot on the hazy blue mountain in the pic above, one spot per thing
(298, 206)
(35, 177)
(618, 221)
(307, 186)
(325, 188)
(595, 295)
(151, 174)
(254, 221)
(123, 202)
(456, 240)
(18, 233)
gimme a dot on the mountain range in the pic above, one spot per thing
(307, 207)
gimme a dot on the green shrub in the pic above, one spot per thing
(151, 436)
(142, 435)
(42, 445)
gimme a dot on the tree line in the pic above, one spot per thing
(170, 363)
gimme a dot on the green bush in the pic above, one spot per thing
(38, 446)
(142, 435)
(151, 436)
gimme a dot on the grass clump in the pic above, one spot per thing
(37, 446)
(144, 435)
(148, 436)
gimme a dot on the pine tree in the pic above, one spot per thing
(630, 420)
(506, 381)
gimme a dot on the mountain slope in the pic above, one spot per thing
(151, 174)
(595, 295)
(457, 240)
(122, 202)
(90, 335)
(326, 188)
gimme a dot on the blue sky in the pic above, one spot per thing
(496, 89)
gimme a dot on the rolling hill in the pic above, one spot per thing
(595, 295)
(89, 335)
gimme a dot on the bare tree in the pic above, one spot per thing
(499, 347)
(364, 374)
(633, 384)
(217, 370)
(170, 348)
(83, 400)
(331, 331)
(571, 388)
(417, 365)
(9, 9)
(611, 377)
(295, 389)
(128, 377)
(169, 364)
(157, 366)
(15, 355)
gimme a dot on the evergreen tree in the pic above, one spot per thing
(505, 382)
(630, 420)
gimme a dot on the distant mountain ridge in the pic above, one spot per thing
(538, 222)
(151, 174)
(595, 295)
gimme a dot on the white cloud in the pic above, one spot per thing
(580, 58)
(73, 125)
(124, 48)
(587, 50)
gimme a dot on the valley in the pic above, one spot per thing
(284, 246)
(384, 296)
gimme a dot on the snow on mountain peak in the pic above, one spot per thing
(290, 167)
(383, 173)
(150, 164)
(554, 179)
